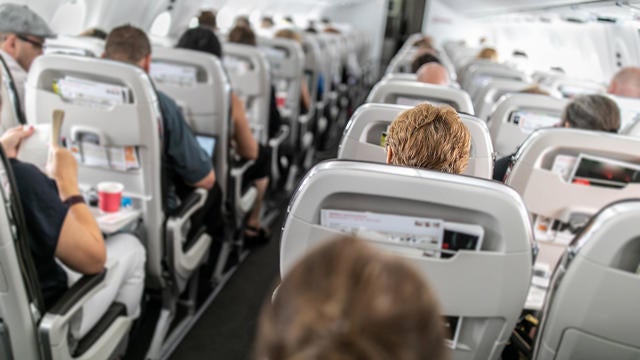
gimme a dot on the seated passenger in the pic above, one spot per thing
(305, 97)
(244, 143)
(242, 20)
(62, 228)
(587, 112)
(626, 82)
(346, 300)
(488, 54)
(22, 35)
(187, 164)
(245, 36)
(423, 58)
(433, 73)
(429, 137)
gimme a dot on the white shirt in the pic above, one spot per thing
(18, 74)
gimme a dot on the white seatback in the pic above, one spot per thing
(391, 91)
(569, 88)
(400, 76)
(361, 138)
(629, 115)
(75, 45)
(206, 99)
(547, 194)
(137, 122)
(593, 311)
(486, 287)
(287, 65)
(486, 97)
(401, 62)
(250, 75)
(324, 66)
(506, 135)
(477, 72)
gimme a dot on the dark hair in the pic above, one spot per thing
(592, 112)
(201, 39)
(207, 18)
(127, 43)
(347, 300)
(422, 59)
(95, 33)
(242, 35)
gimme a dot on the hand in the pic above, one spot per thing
(63, 168)
(12, 138)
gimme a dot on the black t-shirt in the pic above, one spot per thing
(44, 214)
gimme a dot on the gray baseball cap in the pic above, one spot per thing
(19, 19)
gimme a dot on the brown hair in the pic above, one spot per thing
(127, 43)
(242, 35)
(345, 300)
(430, 137)
(488, 54)
(535, 90)
(288, 34)
(207, 18)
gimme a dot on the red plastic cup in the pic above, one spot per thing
(280, 101)
(110, 196)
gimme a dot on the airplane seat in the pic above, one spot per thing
(250, 75)
(27, 328)
(11, 114)
(492, 90)
(400, 76)
(199, 80)
(361, 140)
(592, 311)
(474, 75)
(495, 273)
(75, 45)
(401, 62)
(570, 88)
(565, 176)
(287, 60)
(515, 116)
(629, 115)
(113, 122)
(404, 92)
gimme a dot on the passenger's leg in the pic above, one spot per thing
(125, 282)
(254, 217)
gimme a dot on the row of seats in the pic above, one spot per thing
(523, 223)
(201, 84)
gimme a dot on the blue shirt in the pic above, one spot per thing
(184, 159)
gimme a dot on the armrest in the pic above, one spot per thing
(184, 262)
(304, 119)
(55, 324)
(281, 137)
(238, 171)
(77, 291)
(187, 205)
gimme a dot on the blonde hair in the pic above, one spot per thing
(288, 34)
(488, 54)
(430, 137)
(346, 300)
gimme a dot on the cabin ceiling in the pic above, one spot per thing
(496, 7)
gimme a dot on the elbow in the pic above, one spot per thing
(252, 154)
(97, 261)
(207, 182)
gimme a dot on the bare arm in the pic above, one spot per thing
(304, 93)
(247, 145)
(80, 244)
(207, 182)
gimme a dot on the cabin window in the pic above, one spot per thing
(162, 24)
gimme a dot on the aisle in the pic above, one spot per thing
(226, 329)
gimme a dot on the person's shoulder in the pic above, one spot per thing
(23, 168)
(164, 98)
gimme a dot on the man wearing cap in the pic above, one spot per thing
(22, 34)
